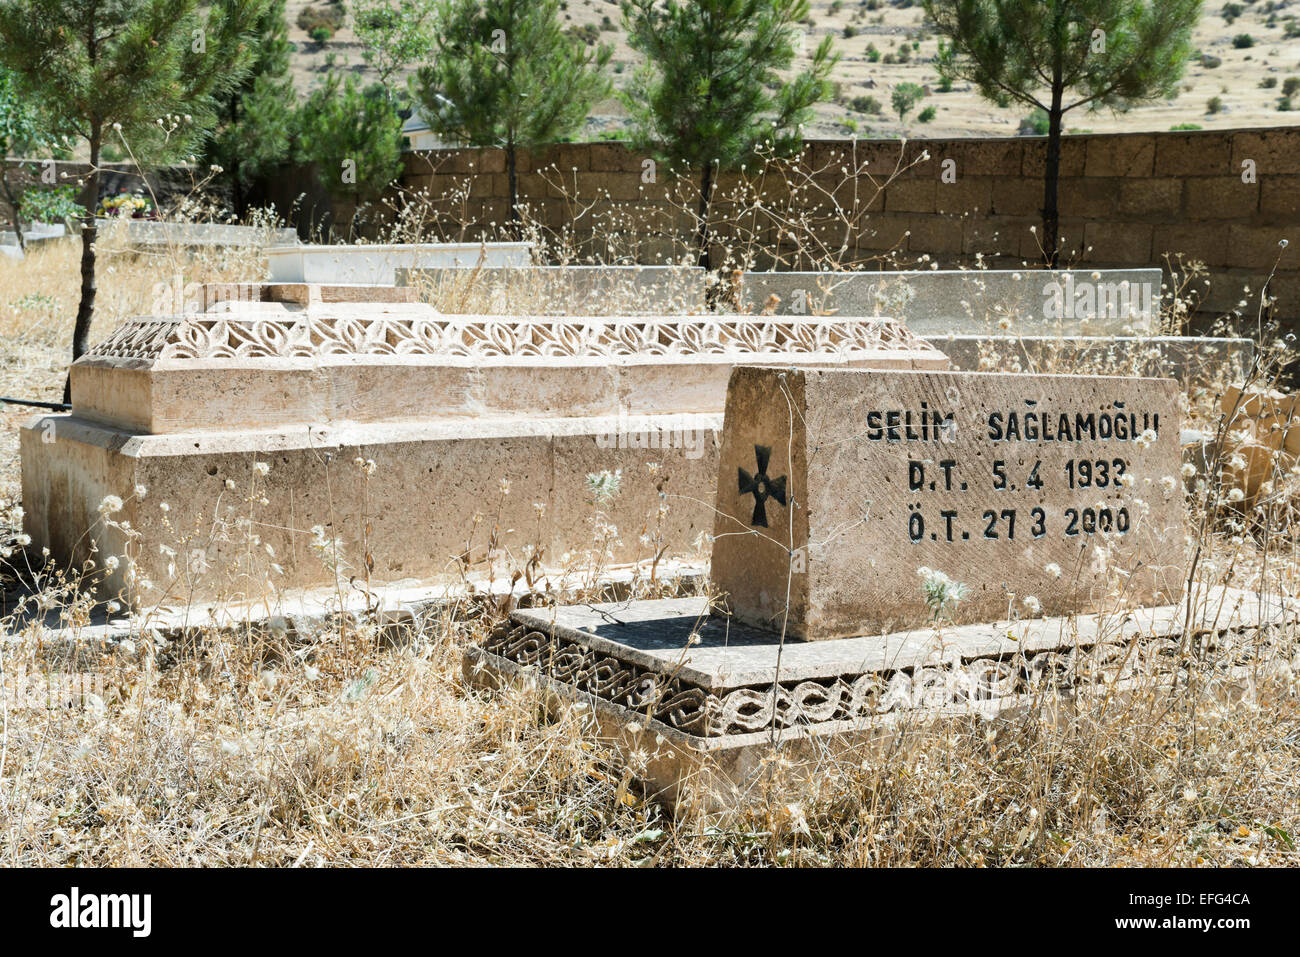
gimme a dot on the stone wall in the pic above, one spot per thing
(1126, 200)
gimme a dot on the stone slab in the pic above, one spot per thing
(333, 360)
(939, 302)
(1195, 361)
(563, 290)
(33, 233)
(409, 603)
(691, 694)
(414, 511)
(377, 264)
(211, 296)
(144, 232)
(836, 488)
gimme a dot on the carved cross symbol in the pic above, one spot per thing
(760, 486)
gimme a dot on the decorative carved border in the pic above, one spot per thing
(696, 711)
(208, 337)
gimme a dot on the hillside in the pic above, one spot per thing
(870, 32)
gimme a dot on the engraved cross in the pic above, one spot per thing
(760, 486)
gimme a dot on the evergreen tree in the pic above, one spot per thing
(149, 71)
(506, 75)
(1108, 52)
(255, 119)
(354, 137)
(19, 131)
(711, 97)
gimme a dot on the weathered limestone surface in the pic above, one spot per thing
(564, 290)
(414, 513)
(835, 487)
(1026, 302)
(710, 700)
(1195, 361)
(143, 232)
(303, 380)
(378, 263)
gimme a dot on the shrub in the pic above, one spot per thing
(1243, 40)
(58, 205)
(1291, 86)
(1035, 124)
(866, 104)
(313, 19)
(1214, 105)
(927, 114)
(904, 97)
(1186, 126)
(1268, 83)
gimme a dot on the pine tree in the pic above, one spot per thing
(506, 75)
(19, 130)
(711, 97)
(1109, 52)
(255, 119)
(353, 136)
(149, 71)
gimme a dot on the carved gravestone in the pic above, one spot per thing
(1041, 494)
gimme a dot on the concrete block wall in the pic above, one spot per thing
(1225, 198)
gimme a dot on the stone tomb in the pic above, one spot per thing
(378, 263)
(833, 486)
(1103, 321)
(255, 408)
(820, 477)
(563, 290)
(941, 302)
(706, 701)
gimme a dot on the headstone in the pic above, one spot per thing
(1035, 492)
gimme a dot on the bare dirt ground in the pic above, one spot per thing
(889, 27)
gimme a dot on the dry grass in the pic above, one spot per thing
(345, 743)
